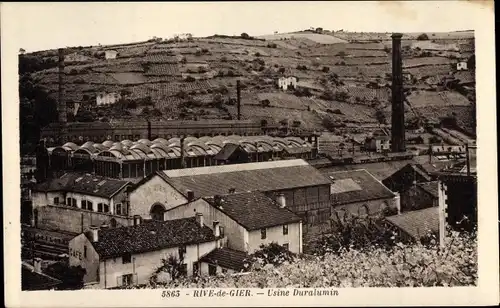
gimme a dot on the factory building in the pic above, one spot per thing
(135, 160)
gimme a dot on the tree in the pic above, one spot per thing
(172, 266)
(71, 276)
(325, 69)
(423, 37)
(245, 36)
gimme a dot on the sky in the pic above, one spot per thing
(40, 26)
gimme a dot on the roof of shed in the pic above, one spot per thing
(254, 210)
(356, 186)
(226, 258)
(151, 235)
(417, 223)
(262, 176)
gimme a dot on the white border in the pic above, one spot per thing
(477, 15)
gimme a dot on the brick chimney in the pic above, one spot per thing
(238, 97)
(61, 103)
(398, 110)
(216, 228)
(199, 219)
(94, 234)
(190, 195)
(281, 200)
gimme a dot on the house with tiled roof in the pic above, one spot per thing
(117, 257)
(248, 219)
(357, 192)
(75, 200)
(224, 260)
(305, 189)
(408, 175)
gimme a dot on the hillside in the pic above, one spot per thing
(343, 78)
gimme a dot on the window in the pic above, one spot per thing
(221, 229)
(126, 258)
(182, 252)
(85, 251)
(212, 270)
(103, 208)
(263, 233)
(195, 269)
(127, 280)
(87, 205)
(286, 246)
(56, 200)
(71, 202)
(285, 229)
(118, 210)
(117, 137)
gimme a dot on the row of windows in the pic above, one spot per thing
(88, 205)
(263, 232)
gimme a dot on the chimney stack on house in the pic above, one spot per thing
(216, 228)
(94, 234)
(37, 265)
(190, 195)
(281, 200)
(398, 110)
(238, 96)
(137, 220)
(199, 219)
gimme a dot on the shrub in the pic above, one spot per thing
(223, 59)
(190, 79)
(265, 103)
(257, 54)
(272, 45)
(301, 67)
(423, 37)
(230, 73)
(325, 69)
(245, 36)
(281, 70)
(73, 72)
(204, 50)
(341, 54)
(79, 81)
(202, 69)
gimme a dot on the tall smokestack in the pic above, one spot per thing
(182, 152)
(61, 104)
(238, 94)
(398, 112)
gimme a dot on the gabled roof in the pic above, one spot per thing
(226, 151)
(84, 183)
(431, 188)
(356, 186)
(151, 235)
(262, 176)
(417, 223)
(226, 258)
(254, 210)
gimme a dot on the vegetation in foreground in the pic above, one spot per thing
(403, 265)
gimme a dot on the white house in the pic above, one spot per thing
(285, 82)
(110, 54)
(75, 201)
(119, 257)
(461, 66)
(248, 220)
(104, 98)
(378, 144)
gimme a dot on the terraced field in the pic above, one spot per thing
(161, 69)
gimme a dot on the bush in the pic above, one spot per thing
(325, 69)
(190, 79)
(73, 72)
(301, 67)
(341, 54)
(423, 37)
(281, 70)
(272, 45)
(265, 103)
(245, 36)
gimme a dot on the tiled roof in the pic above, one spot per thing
(430, 187)
(31, 280)
(226, 258)
(84, 183)
(356, 186)
(417, 223)
(263, 176)
(151, 235)
(254, 210)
